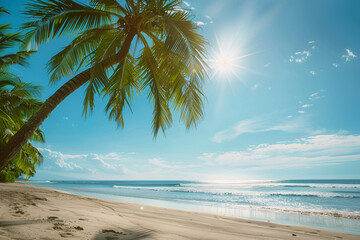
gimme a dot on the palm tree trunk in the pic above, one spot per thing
(14, 145)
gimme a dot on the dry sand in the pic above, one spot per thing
(30, 212)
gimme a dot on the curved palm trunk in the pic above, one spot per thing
(13, 146)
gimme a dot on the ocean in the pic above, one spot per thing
(328, 204)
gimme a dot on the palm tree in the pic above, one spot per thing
(18, 101)
(167, 59)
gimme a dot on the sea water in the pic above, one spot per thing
(328, 204)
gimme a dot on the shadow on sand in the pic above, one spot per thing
(111, 234)
(19, 222)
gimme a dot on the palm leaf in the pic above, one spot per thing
(120, 89)
(148, 66)
(72, 57)
(55, 18)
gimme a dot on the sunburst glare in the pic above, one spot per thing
(226, 61)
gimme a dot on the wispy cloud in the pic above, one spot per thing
(312, 72)
(85, 163)
(316, 95)
(255, 86)
(186, 4)
(310, 151)
(260, 124)
(312, 43)
(179, 9)
(199, 23)
(349, 56)
(160, 163)
(300, 57)
(66, 118)
(306, 105)
(209, 18)
(268, 123)
(336, 65)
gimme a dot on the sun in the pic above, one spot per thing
(224, 64)
(226, 61)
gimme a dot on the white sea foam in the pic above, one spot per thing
(40, 181)
(271, 184)
(219, 191)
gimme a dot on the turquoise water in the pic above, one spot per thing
(329, 204)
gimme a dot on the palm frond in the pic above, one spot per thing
(98, 79)
(150, 74)
(120, 89)
(9, 40)
(109, 5)
(54, 18)
(15, 58)
(182, 38)
(3, 10)
(72, 57)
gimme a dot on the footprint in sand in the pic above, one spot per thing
(58, 226)
(79, 228)
(111, 231)
(66, 234)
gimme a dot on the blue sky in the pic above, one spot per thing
(288, 108)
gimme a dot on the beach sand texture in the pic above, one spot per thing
(30, 212)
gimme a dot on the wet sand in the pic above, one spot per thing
(31, 212)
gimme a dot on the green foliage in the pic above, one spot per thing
(167, 61)
(18, 101)
(10, 173)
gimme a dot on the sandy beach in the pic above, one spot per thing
(30, 212)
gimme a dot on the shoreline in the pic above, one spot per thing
(51, 214)
(338, 214)
(317, 219)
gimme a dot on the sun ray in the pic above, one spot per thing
(227, 61)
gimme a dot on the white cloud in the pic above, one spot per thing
(82, 162)
(335, 65)
(312, 72)
(186, 4)
(302, 112)
(208, 17)
(316, 95)
(199, 23)
(160, 163)
(66, 118)
(259, 124)
(178, 9)
(310, 151)
(300, 57)
(312, 42)
(306, 105)
(349, 56)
